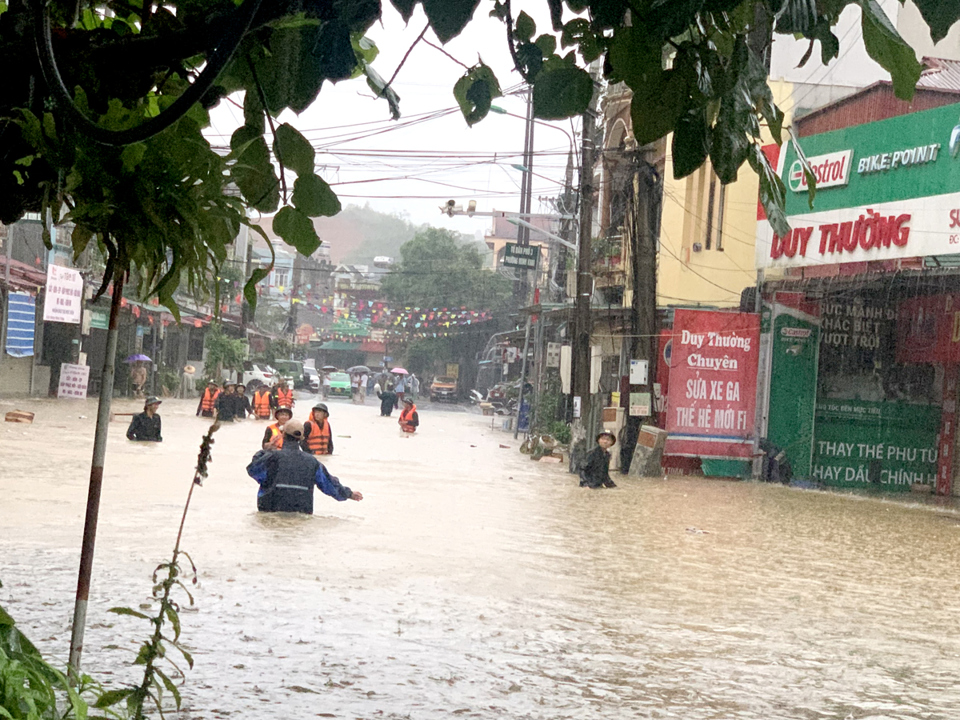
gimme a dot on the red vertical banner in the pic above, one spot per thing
(948, 430)
(711, 403)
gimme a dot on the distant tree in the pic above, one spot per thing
(437, 270)
(223, 352)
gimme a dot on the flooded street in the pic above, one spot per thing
(473, 582)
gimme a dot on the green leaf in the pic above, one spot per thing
(940, 16)
(524, 27)
(365, 48)
(253, 112)
(296, 229)
(132, 155)
(294, 150)
(634, 57)
(112, 697)
(891, 51)
(79, 239)
(796, 17)
(448, 18)
(335, 51)
(254, 173)
(379, 86)
(547, 44)
(250, 287)
(314, 197)
(129, 611)
(405, 8)
(691, 142)
(561, 92)
(656, 107)
(772, 191)
(168, 684)
(475, 91)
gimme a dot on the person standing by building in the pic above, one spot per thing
(287, 475)
(388, 401)
(208, 400)
(362, 387)
(595, 471)
(138, 378)
(409, 419)
(261, 402)
(145, 427)
(413, 387)
(275, 430)
(317, 436)
(399, 388)
(325, 385)
(354, 388)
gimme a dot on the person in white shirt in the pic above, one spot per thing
(362, 388)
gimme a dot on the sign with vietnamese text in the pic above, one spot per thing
(520, 256)
(711, 405)
(890, 192)
(63, 301)
(73, 381)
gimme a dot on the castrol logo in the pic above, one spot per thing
(829, 170)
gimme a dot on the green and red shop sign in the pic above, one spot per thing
(885, 190)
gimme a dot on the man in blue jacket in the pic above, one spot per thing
(287, 475)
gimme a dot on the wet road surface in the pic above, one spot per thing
(472, 582)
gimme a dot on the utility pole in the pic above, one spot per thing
(526, 197)
(580, 350)
(644, 226)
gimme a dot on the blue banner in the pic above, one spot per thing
(21, 324)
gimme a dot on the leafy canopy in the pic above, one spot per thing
(437, 271)
(103, 104)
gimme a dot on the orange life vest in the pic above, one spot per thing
(274, 432)
(406, 419)
(261, 403)
(318, 437)
(285, 398)
(209, 400)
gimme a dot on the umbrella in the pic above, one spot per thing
(358, 369)
(399, 371)
(138, 358)
(329, 368)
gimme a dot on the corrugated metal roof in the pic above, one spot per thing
(941, 74)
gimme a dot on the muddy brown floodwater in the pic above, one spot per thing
(472, 582)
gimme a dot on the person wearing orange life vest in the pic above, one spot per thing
(317, 437)
(283, 395)
(261, 403)
(409, 420)
(274, 433)
(208, 400)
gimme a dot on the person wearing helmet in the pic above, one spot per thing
(317, 437)
(145, 427)
(273, 435)
(287, 475)
(595, 471)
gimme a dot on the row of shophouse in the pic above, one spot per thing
(837, 345)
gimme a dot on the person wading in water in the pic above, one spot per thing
(317, 437)
(409, 420)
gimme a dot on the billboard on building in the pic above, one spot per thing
(711, 405)
(63, 301)
(890, 190)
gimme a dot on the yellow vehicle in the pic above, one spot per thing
(444, 387)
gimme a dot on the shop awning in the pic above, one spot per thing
(339, 345)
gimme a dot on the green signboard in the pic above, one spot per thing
(885, 190)
(99, 319)
(793, 385)
(521, 256)
(886, 445)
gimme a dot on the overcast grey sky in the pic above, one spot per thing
(414, 165)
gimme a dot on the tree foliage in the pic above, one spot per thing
(103, 104)
(436, 270)
(222, 351)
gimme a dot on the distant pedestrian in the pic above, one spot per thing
(317, 435)
(388, 401)
(400, 388)
(188, 382)
(325, 385)
(287, 475)
(226, 405)
(595, 470)
(208, 399)
(362, 388)
(413, 386)
(244, 410)
(138, 378)
(275, 430)
(355, 388)
(283, 395)
(409, 419)
(145, 427)
(261, 402)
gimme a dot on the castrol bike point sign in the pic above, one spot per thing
(885, 190)
(711, 402)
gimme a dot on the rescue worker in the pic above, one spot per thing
(208, 399)
(287, 475)
(244, 410)
(274, 431)
(261, 403)
(595, 470)
(226, 404)
(145, 427)
(283, 395)
(409, 420)
(317, 437)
